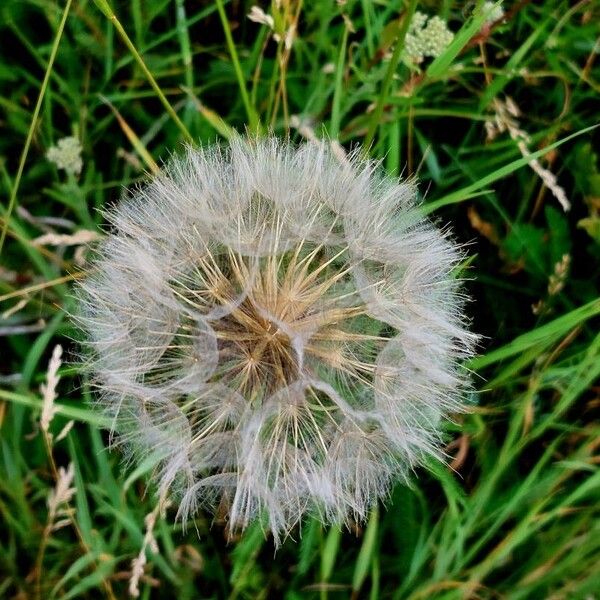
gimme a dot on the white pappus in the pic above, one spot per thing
(282, 330)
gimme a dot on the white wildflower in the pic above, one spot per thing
(436, 37)
(426, 37)
(290, 34)
(493, 11)
(258, 15)
(288, 37)
(67, 155)
(280, 329)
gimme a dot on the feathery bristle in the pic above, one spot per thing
(281, 331)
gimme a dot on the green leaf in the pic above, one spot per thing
(367, 552)
(441, 63)
(525, 243)
(482, 183)
(79, 565)
(329, 552)
(560, 237)
(546, 334)
(103, 570)
(104, 6)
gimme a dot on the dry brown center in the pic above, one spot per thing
(296, 310)
(255, 355)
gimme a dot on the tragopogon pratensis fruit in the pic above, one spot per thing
(281, 329)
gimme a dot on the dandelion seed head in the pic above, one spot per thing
(281, 329)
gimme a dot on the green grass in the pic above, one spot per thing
(518, 514)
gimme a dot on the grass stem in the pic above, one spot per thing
(253, 120)
(389, 75)
(140, 61)
(34, 119)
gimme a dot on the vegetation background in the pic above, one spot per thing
(498, 130)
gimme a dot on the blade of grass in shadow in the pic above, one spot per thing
(184, 43)
(467, 192)
(102, 573)
(244, 557)
(108, 12)
(441, 63)
(34, 118)
(133, 138)
(211, 116)
(73, 572)
(307, 549)
(389, 75)
(544, 335)
(137, 535)
(512, 67)
(41, 286)
(515, 443)
(250, 110)
(67, 411)
(334, 128)
(367, 553)
(586, 373)
(35, 253)
(329, 554)
(508, 508)
(536, 518)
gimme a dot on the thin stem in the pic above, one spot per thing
(337, 94)
(284, 58)
(140, 61)
(36, 114)
(264, 34)
(272, 102)
(41, 286)
(48, 530)
(392, 66)
(184, 43)
(410, 139)
(250, 111)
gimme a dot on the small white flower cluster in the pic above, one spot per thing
(426, 37)
(492, 11)
(67, 155)
(258, 15)
(280, 329)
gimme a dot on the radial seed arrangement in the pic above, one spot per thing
(280, 328)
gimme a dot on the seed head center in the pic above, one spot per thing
(283, 315)
(255, 353)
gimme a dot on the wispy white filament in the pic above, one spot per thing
(282, 332)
